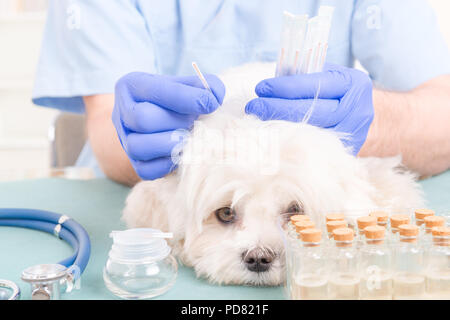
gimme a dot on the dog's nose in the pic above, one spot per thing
(258, 260)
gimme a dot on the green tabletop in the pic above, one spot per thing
(97, 205)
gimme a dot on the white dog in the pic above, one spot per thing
(238, 174)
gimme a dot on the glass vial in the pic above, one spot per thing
(421, 214)
(344, 279)
(396, 221)
(311, 271)
(333, 225)
(431, 222)
(362, 223)
(438, 265)
(382, 219)
(409, 278)
(375, 266)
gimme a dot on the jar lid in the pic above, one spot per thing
(422, 213)
(374, 232)
(408, 230)
(434, 221)
(343, 234)
(366, 221)
(335, 217)
(311, 235)
(139, 245)
(302, 225)
(300, 217)
(441, 231)
(332, 225)
(399, 219)
(380, 215)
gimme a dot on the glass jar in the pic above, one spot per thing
(375, 265)
(344, 279)
(310, 270)
(362, 223)
(409, 278)
(438, 266)
(140, 265)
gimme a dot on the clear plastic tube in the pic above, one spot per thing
(304, 42)
(292, 39)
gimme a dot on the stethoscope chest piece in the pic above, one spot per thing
(46, 280)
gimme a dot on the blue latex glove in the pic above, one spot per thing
(149, 108)
(344, 101)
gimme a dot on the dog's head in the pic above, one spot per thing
(236, 177)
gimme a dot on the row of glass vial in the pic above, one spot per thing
(370, 265)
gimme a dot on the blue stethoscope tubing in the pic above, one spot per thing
(71, 231)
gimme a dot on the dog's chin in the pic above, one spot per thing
(241, 276)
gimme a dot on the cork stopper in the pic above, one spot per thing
(423, 213)
(366, 221)
(311, 235)
(433, 221)
(399, 219)
(299, 217)
(335, 217)
(441, 236)
(375, 233)
(302, 225)
(332, 225)
(343, 234)
(382, 217)
(409, 231)
(441, 231)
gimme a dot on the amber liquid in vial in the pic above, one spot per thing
(438, 285)
(379, 288)
(310, 287)
(409, 286)
(344, 287)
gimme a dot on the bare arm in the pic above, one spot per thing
(415, 124)
(104, 141)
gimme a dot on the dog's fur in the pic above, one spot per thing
(295, 163)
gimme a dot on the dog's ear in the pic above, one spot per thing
(147, 204)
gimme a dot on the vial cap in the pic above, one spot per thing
(343, 234)
(399, 219)
(367, 221)
(374, 232)
(434, 221)
(408, 230)
(311, 235)
(332, 225)
(335, 217)
(302, 225)
(422, 213)
(380, 215)
(299, 217)
(441, 231)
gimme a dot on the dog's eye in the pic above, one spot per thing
(225, 215)
(294, 208)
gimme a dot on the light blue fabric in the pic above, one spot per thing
(89, 44)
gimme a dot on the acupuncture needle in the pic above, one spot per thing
(201, 77)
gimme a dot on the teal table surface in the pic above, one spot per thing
(97, 205)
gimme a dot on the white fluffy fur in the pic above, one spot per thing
(314, 169)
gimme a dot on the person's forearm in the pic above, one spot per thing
(414, 124)
(104, 141)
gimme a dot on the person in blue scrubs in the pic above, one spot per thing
(89, 45)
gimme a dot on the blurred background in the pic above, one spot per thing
(28, 132)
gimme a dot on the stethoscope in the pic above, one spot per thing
(48, 280)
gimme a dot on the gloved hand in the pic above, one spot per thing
(149, 108)
(344, 101)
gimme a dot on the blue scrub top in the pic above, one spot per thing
(89, 44)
